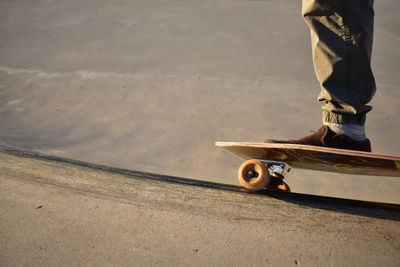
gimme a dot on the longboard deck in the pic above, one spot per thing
(318, 158)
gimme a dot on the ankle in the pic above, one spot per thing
(353, 131)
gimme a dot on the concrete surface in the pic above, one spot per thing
(151, 85)
(57, 212)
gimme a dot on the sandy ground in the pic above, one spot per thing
(60, 214)
(151, 85)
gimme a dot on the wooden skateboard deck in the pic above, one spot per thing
(315, 158)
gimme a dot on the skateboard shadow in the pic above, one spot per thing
(377, 210)
(384, 211)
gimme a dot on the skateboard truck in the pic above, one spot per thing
(257, 174)
(278, 168)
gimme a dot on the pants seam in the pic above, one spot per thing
(348, 45)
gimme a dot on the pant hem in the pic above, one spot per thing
(332, 117)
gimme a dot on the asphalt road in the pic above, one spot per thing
(57, 212)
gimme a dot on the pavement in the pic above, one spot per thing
(116, 93)
(61, 212)
(151, 85)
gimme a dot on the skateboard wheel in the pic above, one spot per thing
(253, 175)
(284, 187)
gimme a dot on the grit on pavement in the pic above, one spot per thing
(58, 213)
(151, 85)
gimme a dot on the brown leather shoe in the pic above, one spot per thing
(327, 138)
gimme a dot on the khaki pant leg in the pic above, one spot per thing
(341, 39)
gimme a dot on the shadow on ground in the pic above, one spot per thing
(378, 210)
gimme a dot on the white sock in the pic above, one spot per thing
(353, 131)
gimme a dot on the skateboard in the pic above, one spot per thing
(267, 163)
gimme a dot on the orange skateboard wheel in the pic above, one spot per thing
(284, 187)
(253, 175)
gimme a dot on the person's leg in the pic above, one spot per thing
(341, 39)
